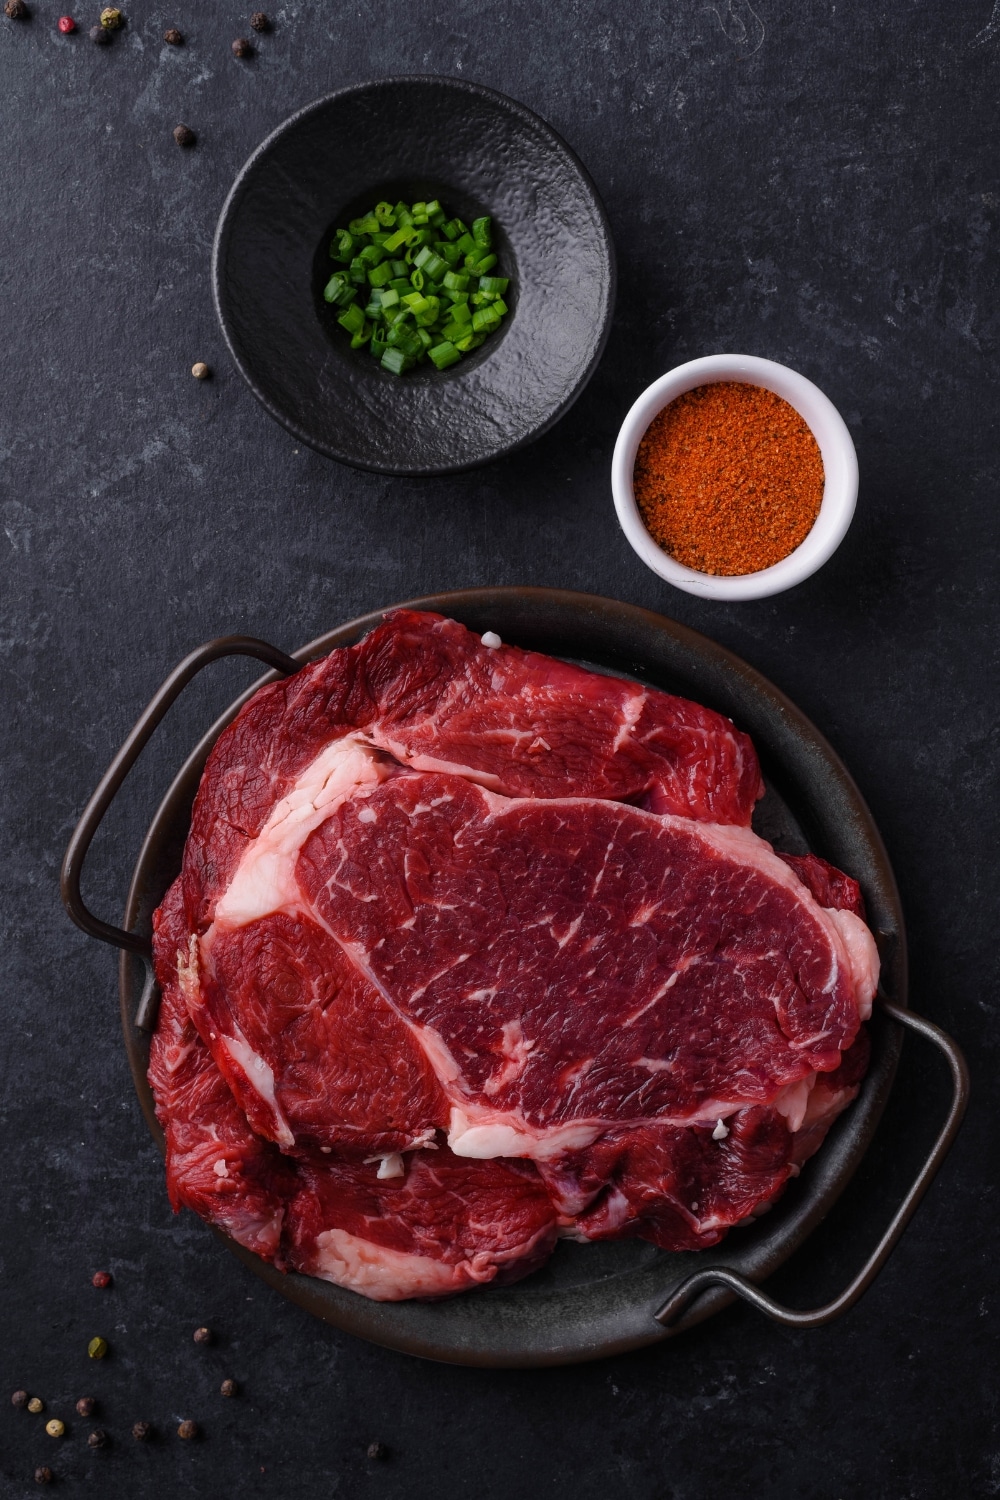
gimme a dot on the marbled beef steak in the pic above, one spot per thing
(472, 947)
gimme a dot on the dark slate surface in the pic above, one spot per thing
(809, 181)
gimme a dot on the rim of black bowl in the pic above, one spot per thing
(463, 85)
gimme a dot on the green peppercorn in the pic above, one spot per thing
(111, 19)
(97, 1348)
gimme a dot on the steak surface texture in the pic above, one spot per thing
(472, 947)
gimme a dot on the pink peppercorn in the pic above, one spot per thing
(67, 25)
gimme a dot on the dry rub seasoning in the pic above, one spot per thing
(728, 478)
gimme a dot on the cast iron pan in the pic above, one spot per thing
(590, 1300)
(414, 138)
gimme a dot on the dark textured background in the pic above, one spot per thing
(815, 182)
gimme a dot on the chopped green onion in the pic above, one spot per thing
(414, 285)
(342, 246)
(353, 319)
(396, 241)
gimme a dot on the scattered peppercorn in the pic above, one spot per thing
(142, 1431)
(228, 1388)
(242, 47)
(85, 1406)
(188, 1430)
(101, 1279)
(377, 1450)
(97, 1348)
(200, 371)
(111, 19)
(16, 10)
(100, 36)
(43, 1474)
(19, 1399)
(98, 1438)
(66, 25)
(35, 1405)
(174, 37)
(202, 1335)
(259, 21)
(55, 1428)
(184, 135)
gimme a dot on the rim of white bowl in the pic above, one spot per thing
(840, 468)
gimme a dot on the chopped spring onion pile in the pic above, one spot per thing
(416, 285)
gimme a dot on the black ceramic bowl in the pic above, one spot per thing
(414, 138)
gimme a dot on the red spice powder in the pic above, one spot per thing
(728, 478)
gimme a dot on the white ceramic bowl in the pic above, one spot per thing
(840, 467)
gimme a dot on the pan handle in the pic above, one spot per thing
(815, 1317)
(93, 813)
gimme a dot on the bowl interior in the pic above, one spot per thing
(592, 1300)
(477, 151)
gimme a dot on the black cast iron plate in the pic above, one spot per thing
(596, 1300)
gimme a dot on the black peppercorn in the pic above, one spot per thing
(242, 48)
(85, 1406)
(16, 10)
(259, 21)
(98, 1438)
(142, 1431)
(19, 1399)
(100, 35)
(174, 37)
(43, 1474)
(188, 1430)
(101, 1279)
(203, 1335)
(377, 1450)
(228, 1388)
(184, 135)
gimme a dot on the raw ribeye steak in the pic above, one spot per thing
(437, 1226)
(438, 896)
